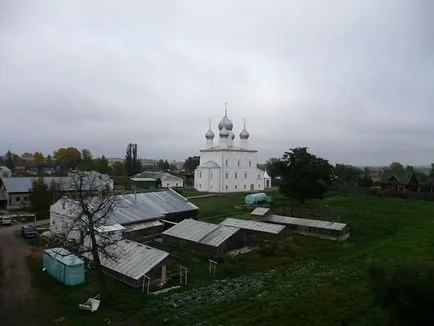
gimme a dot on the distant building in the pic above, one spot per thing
(399, 180)
(145, 179)
(15, 191)
(226, 167)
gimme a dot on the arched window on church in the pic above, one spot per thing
(250, 164)
(238, 162)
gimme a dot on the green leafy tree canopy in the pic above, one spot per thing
(304, 175)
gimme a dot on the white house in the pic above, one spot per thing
(226, 167)
(163, 179)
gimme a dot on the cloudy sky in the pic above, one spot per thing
(352, 80)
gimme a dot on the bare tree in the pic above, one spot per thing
(82, 228)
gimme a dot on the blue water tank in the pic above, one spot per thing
(256, 198)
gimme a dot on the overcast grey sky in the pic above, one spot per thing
(352, 80)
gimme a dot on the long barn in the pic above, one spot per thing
(317, 228)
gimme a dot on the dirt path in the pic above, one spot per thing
(16, 294)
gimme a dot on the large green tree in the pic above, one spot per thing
(86, 160)
(40, 197)
(304, 175)
(67, 158)
(9, 160)
(101, 165)
(132, 162)
(39, 158)
(190, 164)
(273, 167)
(347, 174)
(396, 166)
(118, 169)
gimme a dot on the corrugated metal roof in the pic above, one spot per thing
(260, 211)
(219, 235)
(253, 225)
(191, 230)
(142, 179)
(133, 259)
(166, 201)
(143, 225)
(287, 220)
(136, 208)
(64, 256)
(110, 228)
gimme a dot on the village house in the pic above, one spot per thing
(156, 180)
(15, 191)
(399, 180)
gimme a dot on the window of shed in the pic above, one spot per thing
(17, 198)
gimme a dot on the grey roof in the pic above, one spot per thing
(132, 259)
(156, 175)
(191, 230)
(287, 220)
(139, 207)
(260, 211)
(64, 256)
(201, 232)
(209, 165)
(253, 225)
(142, 225)
(165, 201)
(219, 235)
(24, 184)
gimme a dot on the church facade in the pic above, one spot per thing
(225, 167)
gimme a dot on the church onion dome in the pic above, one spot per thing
(244, 134)
(224, 133)
(226, 123)
(209, 135)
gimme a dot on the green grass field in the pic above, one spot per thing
(298, 281)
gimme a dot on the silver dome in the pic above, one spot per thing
(209, 135)
(224, 133)
(225, 122)
(244, 134)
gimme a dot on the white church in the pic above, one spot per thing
(226, 167)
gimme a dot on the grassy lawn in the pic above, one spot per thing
(298, 281)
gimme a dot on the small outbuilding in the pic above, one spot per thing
(321, 229)
(131, 262)
(259, 213)
(64, 266)
(208, 238)
(253, 230)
